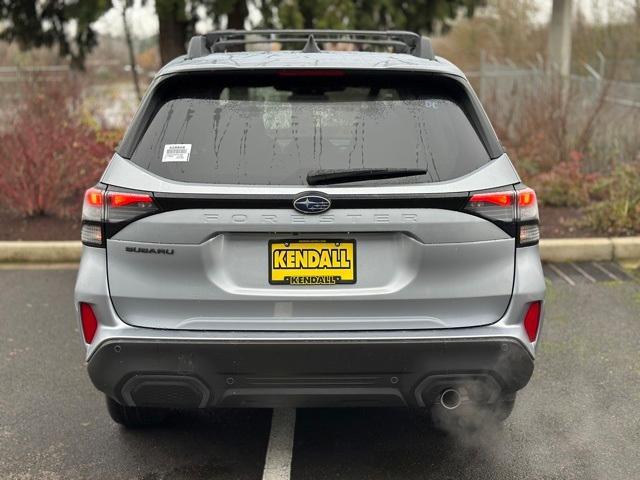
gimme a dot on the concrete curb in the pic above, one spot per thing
(576, 249)
(620, 249)
(623, 249)
(40, 252)
(626, 248)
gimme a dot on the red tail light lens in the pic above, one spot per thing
(122, 206)
(502, 199)
(89, 322)
(527, 205)
(532, 320)
(94, 197)
(92, 206)
(117, 200)
(498, 206)
(526, 197)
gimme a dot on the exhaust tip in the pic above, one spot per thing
(450, 399)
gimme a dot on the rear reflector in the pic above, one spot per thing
(532, 320)
(89, 322)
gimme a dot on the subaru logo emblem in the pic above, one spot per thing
(312, 204)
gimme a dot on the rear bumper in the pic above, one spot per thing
(203, 374)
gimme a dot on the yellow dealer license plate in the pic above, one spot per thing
(312, 262)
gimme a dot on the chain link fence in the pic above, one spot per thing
(603, 114)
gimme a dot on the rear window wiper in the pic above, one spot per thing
(326, 177)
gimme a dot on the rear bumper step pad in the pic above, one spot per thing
(272, 374)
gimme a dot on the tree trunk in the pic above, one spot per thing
(636, 74)
(132, 55)
(237, 15)
(560, 45)
(560, 37)
(306, 9)
(173, 29)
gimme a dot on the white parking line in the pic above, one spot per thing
(583, 272)
(562, 275)
(277, 465)
(605, 271)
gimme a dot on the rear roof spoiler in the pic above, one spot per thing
(221, 40)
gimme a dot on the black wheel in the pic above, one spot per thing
(471, 416)
(135, 417)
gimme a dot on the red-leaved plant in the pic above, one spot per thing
(565, 184)
(50, 149)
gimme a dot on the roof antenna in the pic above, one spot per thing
(311, 46)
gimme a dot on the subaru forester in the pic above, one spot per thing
(309, 227)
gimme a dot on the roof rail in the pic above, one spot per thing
(221, 40)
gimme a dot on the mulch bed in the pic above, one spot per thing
(563, 222)
(555, 223)
(13, 227)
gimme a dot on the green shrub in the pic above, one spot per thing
(615, 202)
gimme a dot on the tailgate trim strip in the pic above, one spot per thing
(170, 202)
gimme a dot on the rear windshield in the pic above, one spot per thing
(275, 129)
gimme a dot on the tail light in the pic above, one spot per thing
(528, 219)
(91, 232)
(498, 206)
(105, 212)
(127, 206)
(89, 322)
(532, 320)
(515, 211)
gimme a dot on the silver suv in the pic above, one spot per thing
(309, 227)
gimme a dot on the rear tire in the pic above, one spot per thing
(135, 417)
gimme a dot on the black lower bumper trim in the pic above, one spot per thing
(338, 373)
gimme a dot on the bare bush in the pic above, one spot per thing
(51, 149)
(506, 29)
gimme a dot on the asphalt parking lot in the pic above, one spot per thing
(578, 418)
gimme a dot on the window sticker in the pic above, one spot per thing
(176, 152)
